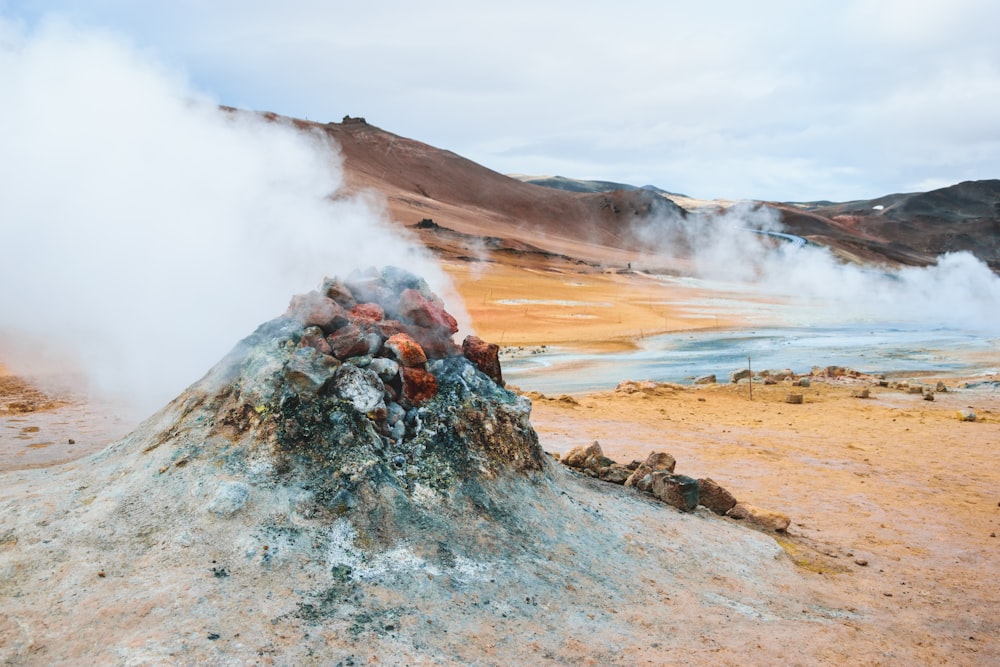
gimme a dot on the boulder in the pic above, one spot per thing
(766, 519)
(715, 497)
(678, 491)
(486, 357)
(705, 379)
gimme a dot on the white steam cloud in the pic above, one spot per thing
(143, 230)
(746, 245)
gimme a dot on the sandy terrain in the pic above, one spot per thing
(894, 501)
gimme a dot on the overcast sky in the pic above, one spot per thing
(767, 99)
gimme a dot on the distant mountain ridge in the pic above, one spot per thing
(595, 221)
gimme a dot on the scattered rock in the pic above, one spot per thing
(761, 518)
(678, 491)
(656, 461)
(715, 497)
(742, 374)
(615, 473)
(804, 382)
(586, 458)
(861, 561)
(705, 379)
(965, 415)
(860, 393)
(929, 396)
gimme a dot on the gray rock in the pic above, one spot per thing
(678, 491)
(705, 379)
(229, 498)
(742, 374)
(362, 388)
(308, 370)
(387, 369)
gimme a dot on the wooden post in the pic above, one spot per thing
(749, 370)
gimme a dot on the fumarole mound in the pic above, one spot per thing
(349, 486)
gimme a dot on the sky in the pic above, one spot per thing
(774, 100)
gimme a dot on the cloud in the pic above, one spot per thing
(145, 231)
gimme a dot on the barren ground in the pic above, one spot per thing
(895, 503)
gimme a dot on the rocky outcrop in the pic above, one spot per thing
(655, 476)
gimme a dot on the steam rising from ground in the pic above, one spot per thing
(958, 292)
(143, 230)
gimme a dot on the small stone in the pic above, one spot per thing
(861, 561)
(804, 382)
(387, 369)
(860, 393)
(584, 458)
(705, 379)
(966, 415)
(929, 396)
(742, 374)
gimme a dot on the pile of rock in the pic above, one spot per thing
(370, 339)
(655, 476)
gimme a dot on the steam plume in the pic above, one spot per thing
(959, 291)
(143, 230)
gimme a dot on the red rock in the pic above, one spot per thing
(486, 357)
(313, 337)
(406, 350)
(389, 328)
(348, 341)
(423, 312)
(314, 309)
(436, 343)
(367, 312)
(419, 386)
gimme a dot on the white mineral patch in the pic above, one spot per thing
(229, 498)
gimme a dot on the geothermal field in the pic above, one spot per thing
(392, 459)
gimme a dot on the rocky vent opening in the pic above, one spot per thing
(356, 395)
